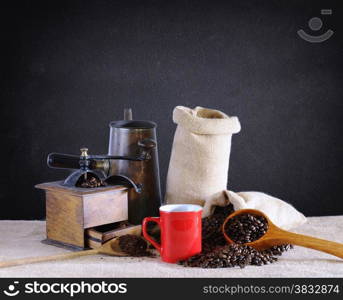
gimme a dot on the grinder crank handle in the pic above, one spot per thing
(145, 145)
(67, 161)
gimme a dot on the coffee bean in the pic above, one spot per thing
(246, 228)
(90, 182)
(217, 253)
(133, 245)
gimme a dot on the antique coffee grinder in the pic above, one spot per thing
(130, 168)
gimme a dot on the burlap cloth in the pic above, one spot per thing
(23, 239)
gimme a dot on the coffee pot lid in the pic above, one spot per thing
(128, 123)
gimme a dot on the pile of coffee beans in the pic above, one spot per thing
(278, 250)
(246, 228)
(217, 253)
(90, 182)
(134, 245)
(229, 256)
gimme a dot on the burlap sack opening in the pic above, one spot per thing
(279, 212)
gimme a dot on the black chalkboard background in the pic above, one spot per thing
(70, 67)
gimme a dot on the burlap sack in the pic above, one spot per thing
(199, 162)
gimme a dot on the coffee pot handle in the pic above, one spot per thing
(145, 233)
(146, 146)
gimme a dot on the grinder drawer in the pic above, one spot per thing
(96, 236)
(107, 207)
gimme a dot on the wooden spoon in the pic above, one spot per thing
(277, 236)
(111, 247)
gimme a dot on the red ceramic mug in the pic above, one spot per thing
(180, 231)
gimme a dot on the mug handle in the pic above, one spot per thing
(145, 233)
